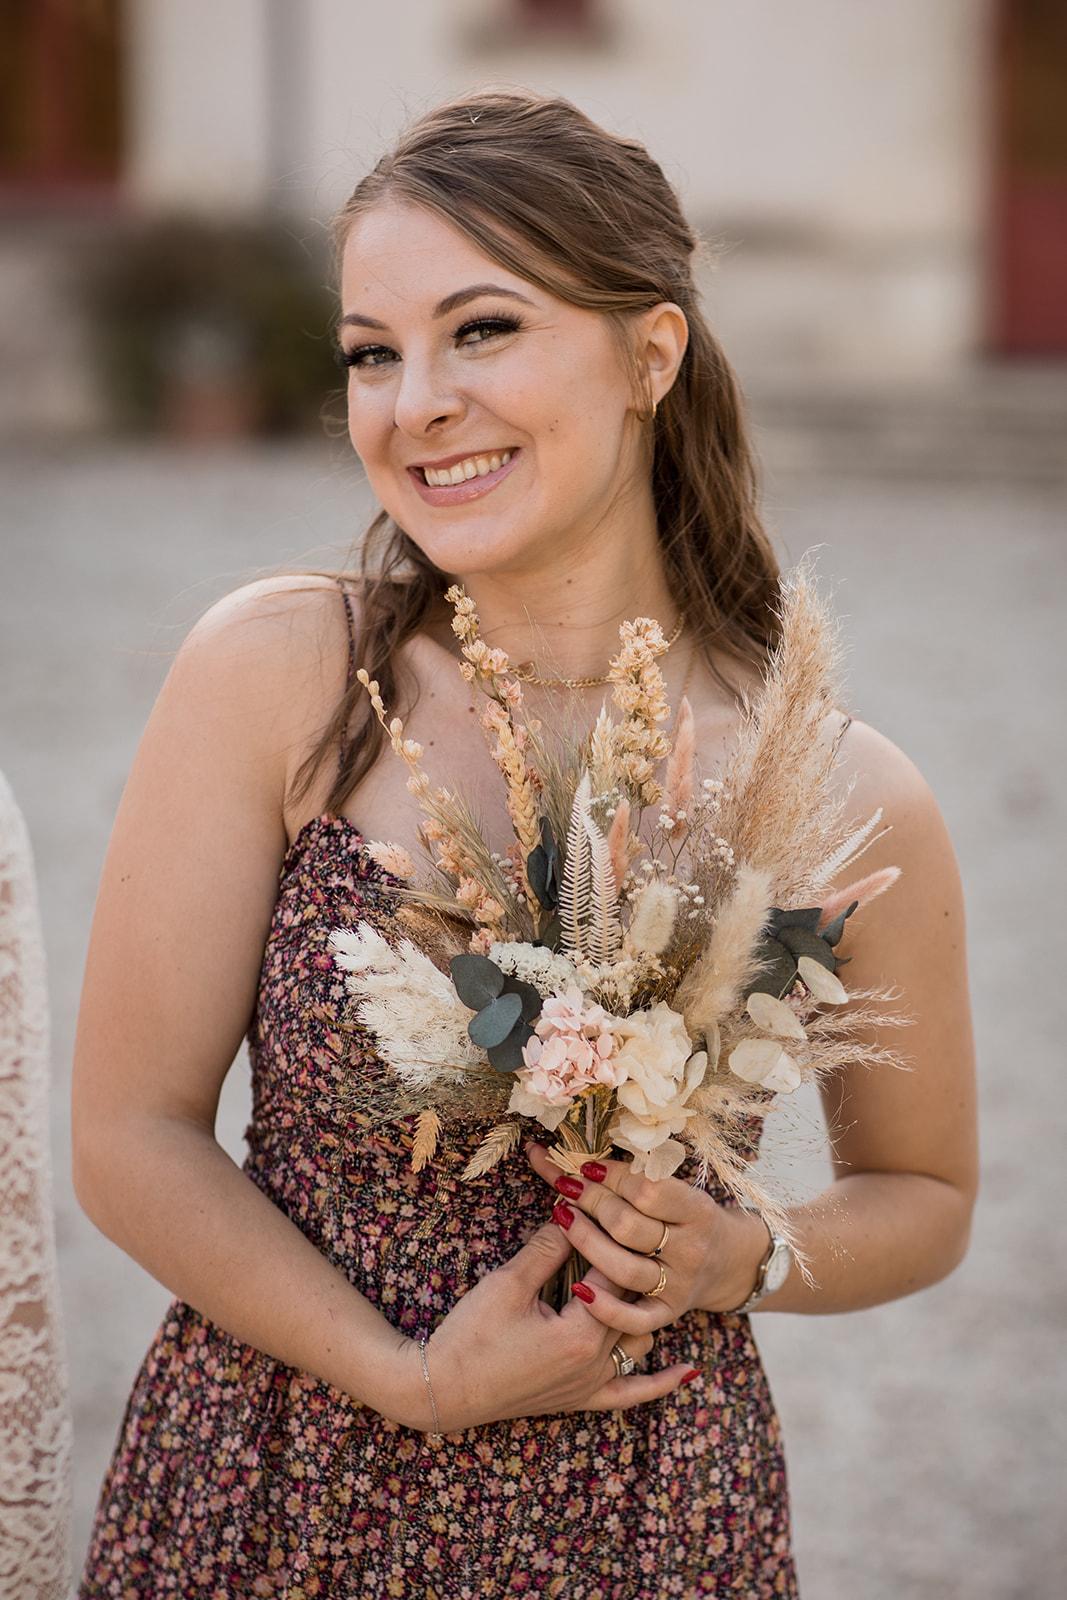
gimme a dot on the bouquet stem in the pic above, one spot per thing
(582, 1134)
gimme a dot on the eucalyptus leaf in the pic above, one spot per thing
(778, 978)
(804, 917)
(550, 933)
(495, 1021)
(802, 942)
(528, 993)
(507, 1055)
(477, 979)
(539, 872)
(833, 930)
(549, 845)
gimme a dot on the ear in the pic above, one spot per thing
(662, 334)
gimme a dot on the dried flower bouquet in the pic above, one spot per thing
(653, 959)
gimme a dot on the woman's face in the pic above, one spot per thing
(453, 371)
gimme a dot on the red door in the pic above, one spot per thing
(60, 96)
(1028, 283)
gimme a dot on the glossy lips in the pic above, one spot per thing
(456, 494)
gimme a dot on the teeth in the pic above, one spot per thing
(472, 467)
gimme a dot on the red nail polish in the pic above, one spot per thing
(694, 1372)
(562, 1214)
(595, 1171)
(583, 1291)
(571, 1187)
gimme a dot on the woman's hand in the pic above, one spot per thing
(616, 1218)
(503, 1352)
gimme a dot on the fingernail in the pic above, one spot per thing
(595, 1171)
(562, 1214)
(571, 1187)
(694, 1372)
(583, 1291)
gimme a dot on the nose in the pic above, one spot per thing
(424, 397)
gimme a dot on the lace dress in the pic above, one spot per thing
(35, 1430)
(234, 1475)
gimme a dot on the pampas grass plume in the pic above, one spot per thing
(679, 776)
(653, 917)
(714, 983)
(864, 890)
(617, 841)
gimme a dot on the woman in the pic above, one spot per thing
(517, 299)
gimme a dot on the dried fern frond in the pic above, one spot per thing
(498, 1143)
(603, 936)
(424, 1145)
(574, 893)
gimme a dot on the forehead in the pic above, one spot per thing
(405, 253)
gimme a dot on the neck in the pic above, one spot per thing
(566, 622)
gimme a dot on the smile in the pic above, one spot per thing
(468, 479)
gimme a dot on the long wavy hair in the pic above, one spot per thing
(589, 217)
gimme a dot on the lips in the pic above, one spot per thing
(454, 494)
(465, 455)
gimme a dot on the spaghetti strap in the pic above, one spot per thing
(342, 752)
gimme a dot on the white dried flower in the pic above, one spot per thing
(548, 971)
(411, 1007)
(661, 1071)
(822, 982)
(765, 1062)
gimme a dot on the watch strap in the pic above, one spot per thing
(760, 1288)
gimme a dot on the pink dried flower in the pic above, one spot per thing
(572, 1049)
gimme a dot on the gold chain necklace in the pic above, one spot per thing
(525, 674)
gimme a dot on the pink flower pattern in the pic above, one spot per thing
(236, 1476)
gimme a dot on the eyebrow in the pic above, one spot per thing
(451, 302)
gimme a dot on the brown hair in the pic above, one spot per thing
(589, 217)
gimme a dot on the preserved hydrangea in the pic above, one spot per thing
(545, 969)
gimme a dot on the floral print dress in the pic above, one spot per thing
(234, 1475)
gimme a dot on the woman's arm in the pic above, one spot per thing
(181, 919)
(897, 1216)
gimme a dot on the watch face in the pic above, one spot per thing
(778, 1268)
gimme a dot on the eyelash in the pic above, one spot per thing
(353, 358)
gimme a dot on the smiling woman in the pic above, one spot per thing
(361, 1388)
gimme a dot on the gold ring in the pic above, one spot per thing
(658, 1251)
(661, 1285)
(624, 1362)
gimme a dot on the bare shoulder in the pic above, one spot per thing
(882, 776)
(274, 655)
(190, 878)
(277, 622)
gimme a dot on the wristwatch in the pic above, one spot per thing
(773, 1269)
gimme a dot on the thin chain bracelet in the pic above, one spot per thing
(436, 1435)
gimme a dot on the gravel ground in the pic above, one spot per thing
(925, 1442)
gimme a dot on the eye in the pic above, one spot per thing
(494, 325)
(367, 355)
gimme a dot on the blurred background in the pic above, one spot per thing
(883, 189)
